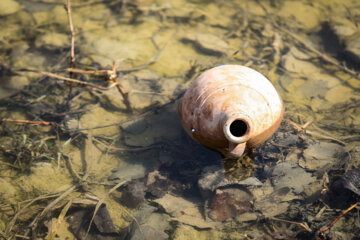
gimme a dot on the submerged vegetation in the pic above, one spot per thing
(89, 132)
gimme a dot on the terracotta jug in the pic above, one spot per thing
(231, 108)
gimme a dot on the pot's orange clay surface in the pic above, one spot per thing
(231, 108)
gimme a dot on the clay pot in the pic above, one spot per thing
(231, 108)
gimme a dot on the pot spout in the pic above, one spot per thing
(237, 130)
(236, 149)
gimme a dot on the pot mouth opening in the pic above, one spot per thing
(238, 128)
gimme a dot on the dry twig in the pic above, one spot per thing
(319, 133)
(328, 227)
(59, 220)
(77, 81)
(318, 215)
(303, 224)
(32, 226)
(120, 88)
(110, 147)
(321, 55)
(72, 58)
(113, 77)
(18, 213)
(44, 123)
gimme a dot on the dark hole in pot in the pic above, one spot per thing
(238, 128)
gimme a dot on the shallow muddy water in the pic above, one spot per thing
(91, 160)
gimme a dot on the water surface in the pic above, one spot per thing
(85, 145)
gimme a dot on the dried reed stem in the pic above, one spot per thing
(28, 122)
(328, 227)
(321, 55)
(72, 57)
